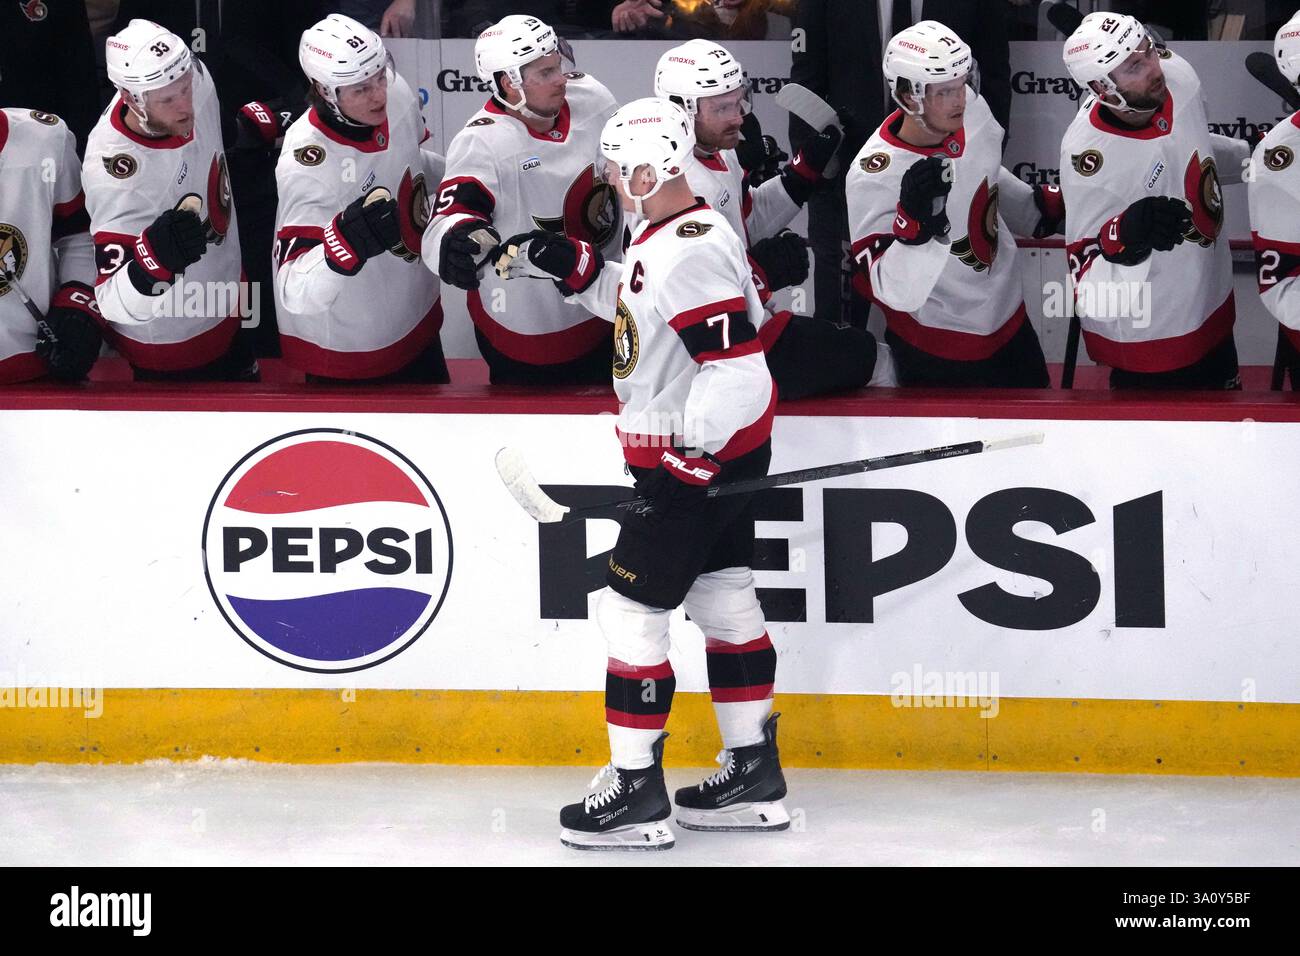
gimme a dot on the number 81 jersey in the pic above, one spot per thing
(688, 368)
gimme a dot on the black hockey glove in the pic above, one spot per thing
(783, 259)
(679, 487)
(171, 244)
(360, 231)
(572, 263)
(69, 338)
(1154, 223)
(460, 254)
(923, 200)
(759, 154)
(260, 125)
(1051, 211)
(804, 173)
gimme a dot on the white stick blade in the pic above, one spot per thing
(520, 483)
(1029, 438)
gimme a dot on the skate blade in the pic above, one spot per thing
(644, 836)
(743, 818)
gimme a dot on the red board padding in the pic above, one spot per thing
(282, 390)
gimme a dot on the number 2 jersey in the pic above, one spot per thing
(44, 241)
(130, 180)
(501, 171)
(688, 366)
(1106, 167)
(1274, 193)
(380, 319)
(960, 299)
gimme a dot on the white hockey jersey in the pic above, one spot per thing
(1274, 193)
(130, 180)
(499, 170)
(375, 322)
(1172, 308)
(958, 298)
(44, 240)
(688, 366)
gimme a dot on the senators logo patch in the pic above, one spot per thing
(979, 247)
(1087, 163)
(34, 10)
(49, 119)
(690, 229)
(481, 121)
(13, 255)
(121, 166)
(1202, 192)
(1164, 52)
(627, 343)
(575, 75)
(875, 163)
(1278, 158)
(312, 155)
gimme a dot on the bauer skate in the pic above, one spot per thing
(630, 813)
(744, 795)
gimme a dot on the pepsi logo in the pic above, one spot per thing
(327, 550)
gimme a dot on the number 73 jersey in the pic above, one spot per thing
(689, 369)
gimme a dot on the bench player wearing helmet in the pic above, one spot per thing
(929, 203)
(1274, 194)
(155, 154)
(697, 401)
(526, 161)
(1140, 175)
(354, 300)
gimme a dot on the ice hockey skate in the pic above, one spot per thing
(630, 813)
(744, 795)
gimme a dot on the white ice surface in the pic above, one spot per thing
(217, 812)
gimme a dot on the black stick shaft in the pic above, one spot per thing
(1071, 353)
(820, 473)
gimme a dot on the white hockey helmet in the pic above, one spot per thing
(1286, 50)
(648, 132)
(926, 53)
(1101, 43)
(338, 51)
(697, 69)
(507, 47)
(144, 57)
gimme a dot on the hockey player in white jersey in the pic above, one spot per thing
(697, 402)
(155, 154)
(1140, 174)
(354, 300)
(929, 203)
(527, 160)
(48, 317)
(806, 356)
(1274, 195)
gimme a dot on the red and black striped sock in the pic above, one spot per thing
(637, 702)
(740, 681)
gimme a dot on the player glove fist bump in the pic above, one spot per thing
(1154, 223)
(171, 244)
(572, 263)
(679, 486)
(783, 259)
(807, 170)
(459, 255)
(923, 201)
(69, 338)
(362, 230)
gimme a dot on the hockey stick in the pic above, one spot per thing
(27, 302)
(1280, 360)
(1071, 353)
(520, 482)
(816, 112)
(1263, 67)
(1064, 16)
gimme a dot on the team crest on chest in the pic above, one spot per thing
(591, 210)
(120, 166)
(1202, 192)
(979, 247)
(690, 229)
(13, 255)
(627, 343)
(412, 215)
